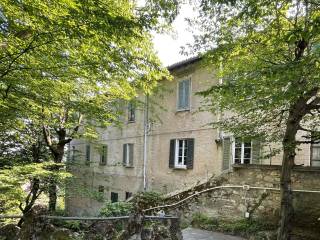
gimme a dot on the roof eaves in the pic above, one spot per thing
(184, 63)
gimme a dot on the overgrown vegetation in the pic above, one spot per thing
(116, 209)
(144, 200)
(243, 227)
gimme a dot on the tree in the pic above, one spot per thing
(267, 56)
(65, 64)
(25, 169)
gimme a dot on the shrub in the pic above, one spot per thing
(143, 200)
(116, 209)
(243, 227)
(203, 221)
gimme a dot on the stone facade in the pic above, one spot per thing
(261, 197)
(165, 123)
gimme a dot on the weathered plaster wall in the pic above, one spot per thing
(167, 124)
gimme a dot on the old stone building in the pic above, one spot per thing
(164, 144)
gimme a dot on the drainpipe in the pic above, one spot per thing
(145, 143)
(219, 112)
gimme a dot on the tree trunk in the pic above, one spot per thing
(30, 200)
(289, 145)
(58, 157)
(52, 195)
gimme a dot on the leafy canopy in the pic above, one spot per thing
(60, 60)
(267, 55)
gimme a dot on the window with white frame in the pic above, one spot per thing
(128, 155)
(242, 151)
(184, 87)
(181, 153)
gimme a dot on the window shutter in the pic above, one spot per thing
(172, 153)
(186, 93)
(226, 153)
(124, 154)
(256, 148)
(181, 95)
(190, 153)
(131, 155)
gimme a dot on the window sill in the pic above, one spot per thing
(183, 110)
(128, 166)
(102, 164)
(180, 167)
(131, 122)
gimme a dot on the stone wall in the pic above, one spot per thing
(232, 203)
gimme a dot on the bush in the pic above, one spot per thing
(203, 221)
(243, 227)
(116, 209)
(144, 200)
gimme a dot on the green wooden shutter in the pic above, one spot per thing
(124, 154)
(190, 153)
(226, 156)
(131, 155)
(256, 148)
(187, 94)
(181, 95)
(172, 153)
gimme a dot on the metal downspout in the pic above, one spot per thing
(145, 143)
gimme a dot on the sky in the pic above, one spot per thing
(168, 46)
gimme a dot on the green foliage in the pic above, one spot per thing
(15, 181)
(73, 225)
(266, 54)
(116, 209)
(64, 66)
(143, 200)
(203, 221)
(243, 227)
(65, 59)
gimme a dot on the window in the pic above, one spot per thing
(315, 154)
(181, 153)
(104, 155)
(114, 197)
(88, 150)
(131, 112)
(128, 155)
(242, 151)
(184, 94)
(101, 189)
(128, 195)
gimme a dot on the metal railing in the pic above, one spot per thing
(90, 218)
